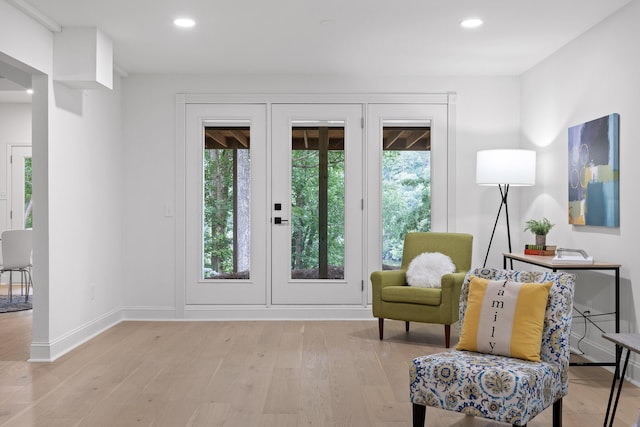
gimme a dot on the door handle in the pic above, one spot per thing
(279, 220)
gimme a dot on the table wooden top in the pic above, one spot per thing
(630, 341)
(547, 261)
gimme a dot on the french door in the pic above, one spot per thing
(317, 204)
(226, 197)
(281, 210)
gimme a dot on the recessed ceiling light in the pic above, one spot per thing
(471, 23)
(30, 91)
(184, 22)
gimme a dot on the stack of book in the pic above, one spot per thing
(544, 250)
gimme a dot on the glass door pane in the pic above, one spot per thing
(21, 205)
(28, 204)
(317, 201)
(406, 186)
(226, 203)
(317, 212)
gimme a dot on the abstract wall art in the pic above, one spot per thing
(594, 172)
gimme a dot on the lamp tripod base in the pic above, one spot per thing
(504, 192)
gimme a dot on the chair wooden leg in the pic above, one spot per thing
(557, 413)
(406, 326)
(381, 327)
(419, 415)
(447, 335)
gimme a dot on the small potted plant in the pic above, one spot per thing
(539, 227)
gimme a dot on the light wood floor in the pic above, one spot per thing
(280, 374)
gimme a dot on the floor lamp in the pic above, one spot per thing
(505, 168)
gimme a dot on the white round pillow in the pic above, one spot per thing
(426, 270)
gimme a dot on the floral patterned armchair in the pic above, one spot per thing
(495, 387)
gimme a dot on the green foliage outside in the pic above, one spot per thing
(218, 210)
(406, 200)
(28, 173)
(406, 206)
(305, 209)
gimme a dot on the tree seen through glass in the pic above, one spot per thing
(28, 204)
(317, 202)
(406, 188)
(226, 230)
(317, 199)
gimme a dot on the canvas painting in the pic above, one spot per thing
(594, 172)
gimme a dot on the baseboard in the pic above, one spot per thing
(50, 351)
(230, 312)
(149, 313)
(279, 313)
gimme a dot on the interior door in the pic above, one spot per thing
(317, 204)
(226, 213)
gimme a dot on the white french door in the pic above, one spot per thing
(226, 213)
(392, 120)
(280, 208)
(317, 204)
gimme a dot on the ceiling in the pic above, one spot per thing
(335, 37)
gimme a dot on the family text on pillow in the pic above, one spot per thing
(504, 318)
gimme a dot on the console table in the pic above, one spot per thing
(547, 262)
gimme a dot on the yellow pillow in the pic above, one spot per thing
(504, 318)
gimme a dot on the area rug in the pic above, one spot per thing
(18, 304)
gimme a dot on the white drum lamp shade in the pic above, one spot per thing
(513, 167)
(505, 168)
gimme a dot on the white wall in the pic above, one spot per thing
(77, 165)
(487, 117)
(593, 76)
(85, 210)
(15, 125)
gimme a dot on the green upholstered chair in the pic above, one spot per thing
(393, 299)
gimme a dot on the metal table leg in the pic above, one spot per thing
(613, 386)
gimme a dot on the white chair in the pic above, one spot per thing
(16, 255)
